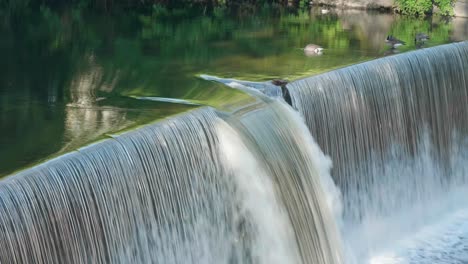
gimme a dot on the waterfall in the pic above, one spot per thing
(251, 185)
(302, 176)
(202, 187)
(396, 129)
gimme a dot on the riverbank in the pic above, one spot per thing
(210, 7)
(460, 8)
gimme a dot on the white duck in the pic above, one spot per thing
(312, 50)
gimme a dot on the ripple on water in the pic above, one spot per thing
(443, 243)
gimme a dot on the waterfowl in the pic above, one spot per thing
(312, 50)
(282, 83)
(421, 37)
(279, 82)
(394, 42)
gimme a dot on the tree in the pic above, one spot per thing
(424, 7)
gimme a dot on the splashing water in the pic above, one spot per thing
(396, 129)
(203, 187)
(275, 238)
(253, 186)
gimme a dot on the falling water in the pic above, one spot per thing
(252, 186)
(396, 129)
(269, 131)
(203, 187)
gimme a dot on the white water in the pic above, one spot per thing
(396, 129)
(203, 187)
(274, 242)
(273, 133)
(322, 162)
(430, 229)
(253, 186)
(444, 242)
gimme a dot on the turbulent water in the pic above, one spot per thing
(252, 186)
(396, 129)
(203, 187)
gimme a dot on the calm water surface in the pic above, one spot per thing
(68, 79)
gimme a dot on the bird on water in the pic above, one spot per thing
(279, 82)
(313, 50)
(394, 42)
(421, 37)
(282, 83)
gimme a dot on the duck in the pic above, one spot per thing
(279, 82)
(313, 49)
(285, 92)
(421, 37)
(394, 42)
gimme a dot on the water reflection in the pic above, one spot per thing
(67, 79)
(374, 27)
(84, 120)
(85, 83)
(85, 124)
(460, 29)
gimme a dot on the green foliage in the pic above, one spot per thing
(159, 11)
(164, 8)
(14, 8)
(219, 11)
(303, 4)
(414, 7)
(445, 7)
(424, 7)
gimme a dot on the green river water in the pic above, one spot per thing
(69, 78)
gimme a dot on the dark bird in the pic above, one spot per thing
(421, 37)
(282, 83)
(279, 82)
(394, 42)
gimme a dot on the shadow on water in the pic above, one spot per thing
(69, 78)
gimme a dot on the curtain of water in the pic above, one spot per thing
(301, 170)
(396, 129)
(190, 189)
